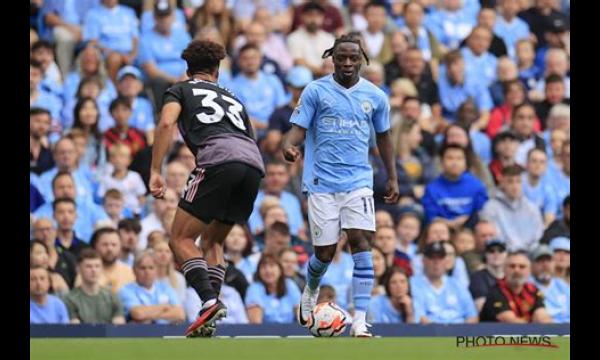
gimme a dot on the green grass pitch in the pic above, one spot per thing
(283, 349)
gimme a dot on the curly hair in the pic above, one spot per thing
(203, 56)
(351, 38)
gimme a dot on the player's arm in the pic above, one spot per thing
(386, 150)
(291, 141)
(162, 140)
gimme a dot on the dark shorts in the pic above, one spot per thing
(224, 192)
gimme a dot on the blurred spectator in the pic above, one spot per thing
(523, 126)
(165, 268)
(148, 300)
(35, 199)
(91, 303)
(560, 227)
(456, 196)
(160, 51)
(114, 29)
(438, 298)
(40, 155)
(308, 42)
(152, 221)
(514, 299)
(375, 74)
(289, 262)
(417, 35)
(555, 94)
(519, 221)
(379, 268)
(560, 178)
(376, 41)
(63, 262)
(297, 78)
(65, 21)
(561, 247)
(396, 305)
(130, 87)
(326, 294)
(556, 61)
(256, 35)
(43, 307)
(455, 87)
(482, 281)
(276, 179)
(91, 87)
(385, 240)
(536, 188)
(121, 178)
(43, 51)
(510, 27)
(333, 22)
(237, 249)
(529, 72)
(272, 298)
(39, 256)
(39, 97)
(107, 243)
(122, 133)
(558, 137)
(505, 149)
(177, 176)
(463, 241)
(65, 213)
(354, 15)
(557, 293)
(506, 71)
(86, 119)
(280, 13)
(236, 311)
(114, 206)
(408, 229)
(129, 230)
(213, 14)
(480, 64)
(383, 219)
(500, 118)
(147, 20)
(271, 45)
(540, 18)
(559, 119)
(261, 92)
(182, 153)
(414, 67)
(450, 23)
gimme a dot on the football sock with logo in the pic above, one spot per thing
(362, 282)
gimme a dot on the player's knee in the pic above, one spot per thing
(325, 253)
(359, 240)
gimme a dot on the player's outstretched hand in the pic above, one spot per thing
(158, 187)
(291, 153)
(392, 191)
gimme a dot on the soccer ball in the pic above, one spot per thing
(328, 320)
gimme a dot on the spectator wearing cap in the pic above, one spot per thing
(309, 41)
(514, 299)
(160, 51)
(482, 281)
(480, 64)
(510, 27)
(560, 227)
(148, 20)
(555, 94)
(541, 17)
(38, 96)
(376, 40)
(417, 35)
(438, 298)
(40, 155)
(43, 307)
(557, 293)
(114, 29)
(90, 303)
(64, 24)
(130, 86)
(147, 300)
(279, 121)
(261, 93)
(523, 126)
(129, 232)
(450, 23)
(505, 147)
(520, 223)
(536, 188)
(123, 133)
(456, 196)
(43, 51)
(561, 247)
(455, 87)
(88, 214)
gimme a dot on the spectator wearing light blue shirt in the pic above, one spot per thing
(536, 187)
(272, 298)
(115, 29)
(43, 51)
(91, 87)
(41, 98)
(557, 293)
(510, 27)
(160, 51)
(147, 20)
(130, 86)
(452, 23)
(480, 64)
(560, 179)
(260, 93)
(455, 86)
(43, 307)
(396, 305)
(147, 300)
(438, 298)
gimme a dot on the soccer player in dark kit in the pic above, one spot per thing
(222, 188)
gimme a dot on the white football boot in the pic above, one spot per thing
(360, 329)
(308, 301)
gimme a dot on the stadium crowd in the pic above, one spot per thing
(479, 94)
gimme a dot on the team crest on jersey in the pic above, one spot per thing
(366, 106)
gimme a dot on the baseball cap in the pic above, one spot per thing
(495, 243)
(299, 77)
(560, 243)
(162, 8)
(129, 70)
(433, 249)
(539, 251)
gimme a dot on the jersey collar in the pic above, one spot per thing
(350, 89)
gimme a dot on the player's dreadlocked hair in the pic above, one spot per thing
(350, 37)
(203, 56)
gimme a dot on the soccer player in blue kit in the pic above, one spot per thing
(336, 114)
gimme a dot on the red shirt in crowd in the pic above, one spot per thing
(500, 119)
(132, 137)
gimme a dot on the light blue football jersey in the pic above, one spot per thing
(339, 123)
